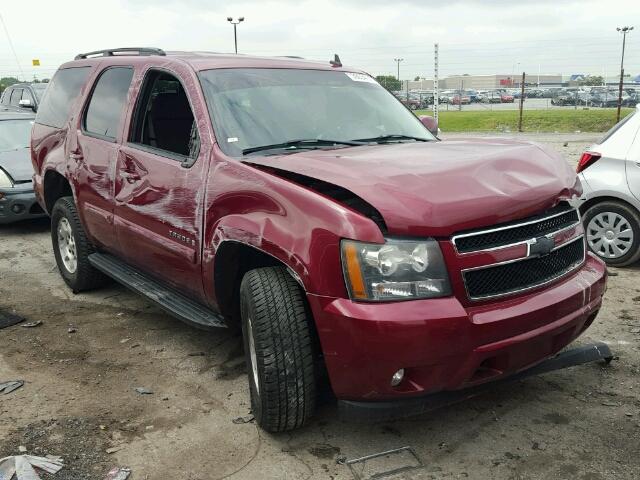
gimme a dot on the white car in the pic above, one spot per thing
(610, 204)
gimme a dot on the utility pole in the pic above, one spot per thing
(436, 84)
(521, 102)
(624, 31)
(235, 33)
(398, 60)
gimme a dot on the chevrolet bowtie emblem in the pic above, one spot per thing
(541, 246)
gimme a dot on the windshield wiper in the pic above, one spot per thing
(390, 138)
(310, 143)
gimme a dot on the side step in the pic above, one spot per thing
(175, 303)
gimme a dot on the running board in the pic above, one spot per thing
(175, 303)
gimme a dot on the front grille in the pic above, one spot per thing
(552, 221)
(524, 274)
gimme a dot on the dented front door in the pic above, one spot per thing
(158, 215)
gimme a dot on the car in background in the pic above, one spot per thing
(491, 97)
(610, 203)
(473, 95)
(506, 97)
(17, 199)
(564, 97)
(22, 96)
(459, 99)
(604, 98)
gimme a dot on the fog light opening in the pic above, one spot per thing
(397, 378)
(17, 208)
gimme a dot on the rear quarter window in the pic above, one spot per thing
(60, 96)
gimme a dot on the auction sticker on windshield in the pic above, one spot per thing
(360, 77)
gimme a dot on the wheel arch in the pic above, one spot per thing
(606, 198)
(233, 259)
(55, 186)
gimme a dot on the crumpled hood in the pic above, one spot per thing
(17, 163)
(439, 188)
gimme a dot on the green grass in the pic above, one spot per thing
(565, 120)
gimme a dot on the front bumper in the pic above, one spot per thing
(444, 346)
(18, 204)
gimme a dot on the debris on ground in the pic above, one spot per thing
(24, 466)
(22, 449)
(114, 449)
(37, 323)
(383, 464)
(8, 319)
(72, 329)
(118, 473)
(245, 419)
(8, 387)
(144, 391)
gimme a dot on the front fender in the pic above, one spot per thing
(299, 227)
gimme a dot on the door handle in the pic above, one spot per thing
(130, 177)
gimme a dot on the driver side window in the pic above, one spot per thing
(164, 121)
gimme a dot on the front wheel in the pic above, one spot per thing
(279, 348)
(613, 233)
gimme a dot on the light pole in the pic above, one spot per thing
(624, 31)
(235, 34)
(398, 60)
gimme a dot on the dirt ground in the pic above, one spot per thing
(82, 365)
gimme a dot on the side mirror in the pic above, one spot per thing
(430, 123)
(25, 103)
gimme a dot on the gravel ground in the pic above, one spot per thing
(82, 365)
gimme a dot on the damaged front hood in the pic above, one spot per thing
(17, 163)
(439, 188)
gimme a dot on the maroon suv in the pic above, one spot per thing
(304, 204)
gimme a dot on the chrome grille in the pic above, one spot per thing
(523, 274)
(543, 262)
(556, 219)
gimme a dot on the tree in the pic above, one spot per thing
(389, 82)
(417, 79)
(7, 82)
(592, 81)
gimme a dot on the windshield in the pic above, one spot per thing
(253, 107)
(39, 89)
(14, 134)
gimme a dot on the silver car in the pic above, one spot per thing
(610, 205)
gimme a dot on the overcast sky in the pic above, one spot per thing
(475, 37)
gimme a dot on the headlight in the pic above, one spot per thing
(5, 180)
(395, 270)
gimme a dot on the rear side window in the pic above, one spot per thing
(615, 128)
(109, 96)
(60, 96)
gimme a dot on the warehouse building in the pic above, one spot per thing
(486, 82)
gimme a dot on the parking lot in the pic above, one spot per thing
(81, 367)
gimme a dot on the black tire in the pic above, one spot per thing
(275, 314)
(85, 277)
(631, 216)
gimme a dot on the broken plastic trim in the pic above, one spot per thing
(339, 194)
(382, 411)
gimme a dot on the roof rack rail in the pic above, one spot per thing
(127, 51)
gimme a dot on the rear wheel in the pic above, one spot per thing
(71, 248)
(279, 349)
(613, 233)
